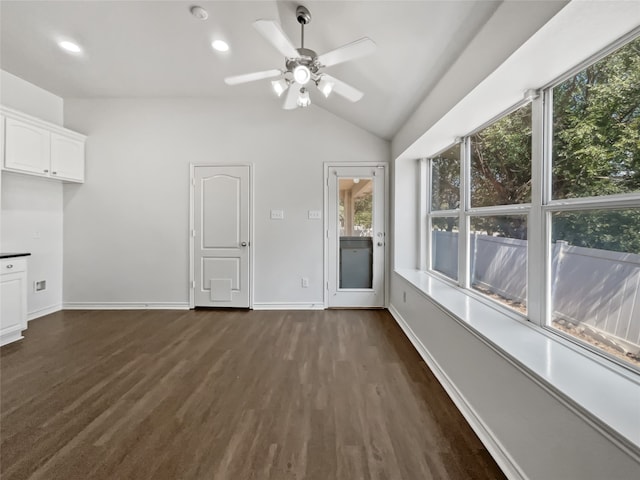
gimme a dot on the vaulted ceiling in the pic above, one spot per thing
(158, 49)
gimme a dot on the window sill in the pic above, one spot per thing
(581, 379)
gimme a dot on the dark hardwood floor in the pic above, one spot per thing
(337, 394)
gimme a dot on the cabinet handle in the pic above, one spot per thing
(10, 265)
(46, 171)
(54, 173)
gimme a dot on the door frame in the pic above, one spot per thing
(387, 223)
(191, 232)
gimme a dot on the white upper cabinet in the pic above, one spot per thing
(67, 158)
(1, 136)
(36, 147)
(27, 147)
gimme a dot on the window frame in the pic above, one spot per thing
(549, 206)
(426, 260)
(466, 212)
(539, 212)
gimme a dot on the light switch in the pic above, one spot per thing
(315, 215)
(277, 214)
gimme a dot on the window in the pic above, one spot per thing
(596, 128)
(498, 256)
(572, 210)
(500, 180)
(501, 161)
(445, 180)
(498, 159)
(595, 205)
(444, 212)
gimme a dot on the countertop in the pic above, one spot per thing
(12, 255)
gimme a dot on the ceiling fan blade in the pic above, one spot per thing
(251, 77)
(274, 34)
(291, 100)
(353, 50)
(344, 89)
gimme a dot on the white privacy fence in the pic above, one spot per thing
(599, 288)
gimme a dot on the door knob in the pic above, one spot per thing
(380, 244)
(244, 244)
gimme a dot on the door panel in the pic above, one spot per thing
(221, 203)
(356, 236)
(221, 236)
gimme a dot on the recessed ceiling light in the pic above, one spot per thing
(69, 46)
(220, 45)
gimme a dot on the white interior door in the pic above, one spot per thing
(356, 219)
(221, 249)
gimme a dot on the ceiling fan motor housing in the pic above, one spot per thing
(307, 58)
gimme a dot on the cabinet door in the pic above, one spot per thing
(1, 137)
(26, 147)
(67, 158)
(13, 302)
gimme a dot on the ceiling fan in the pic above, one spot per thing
(304, 66)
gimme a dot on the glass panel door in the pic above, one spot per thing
(356, 232)
(356, 251)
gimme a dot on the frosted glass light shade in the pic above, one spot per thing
(303, 98)
(301, 74)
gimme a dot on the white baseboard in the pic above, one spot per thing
(288, 306)
(10, 338)
(126, 306)
(495, 448)
(43, 311)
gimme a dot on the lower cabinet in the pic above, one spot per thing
(13, 299)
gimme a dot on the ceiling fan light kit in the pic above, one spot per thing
(302, 74)
(325, 86)
(304, 66)
(303, 98)
(279, 86)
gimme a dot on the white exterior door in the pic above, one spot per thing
(356, 231)
(221, 247)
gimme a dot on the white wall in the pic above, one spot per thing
(31, 207)
(406, 214)
(28, 98)
(126, 228)
(32, 222)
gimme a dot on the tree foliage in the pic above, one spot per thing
(501, 161)
(596, 149)
(596, 128)
(363, 210)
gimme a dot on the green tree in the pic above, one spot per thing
(501, 172)
(363, 210)
(596, 125)
(595, 149)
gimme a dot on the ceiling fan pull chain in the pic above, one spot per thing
(302, 35)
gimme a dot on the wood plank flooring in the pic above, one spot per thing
(227, 394)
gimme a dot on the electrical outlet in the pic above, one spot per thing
(305, 282)
(39, 285)
(277, 214)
